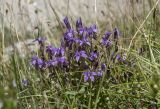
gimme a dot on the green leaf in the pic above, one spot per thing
(82, 90)
(70, 93)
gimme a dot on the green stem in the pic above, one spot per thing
(90, 97)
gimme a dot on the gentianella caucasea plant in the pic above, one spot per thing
(83, 53)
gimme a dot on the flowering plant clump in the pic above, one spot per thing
(82, 49)
(87, 68)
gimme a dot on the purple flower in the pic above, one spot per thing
(89, 75)
(40, 40)
(99, 73)
(79, 23)
(81, 31)
(92, 30)
(67, 23)
(80, 54)
(62, 60)
(37, 62)
(86, 41)
(55, 51)
(60, 52)
(50, 49)
(70, 42)
(57, 61)
(105, 39)
(107, 34)
(69, 38)
(105, 42)
(116, 33)
(103, 66)
(82, 42)
(52, 62)
(79, 27)
(93, 55)
(119, 58)
(25, 82)
(69, 34)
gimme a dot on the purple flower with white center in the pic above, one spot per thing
(80, 54)
(40, 40)
(103, 66)
(116, 33)
(93, 55)
(37, 62)
(89, 75)
(25, 82)
(66, 21)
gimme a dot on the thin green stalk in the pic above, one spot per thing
(59, 79)
(99, 90)
(72, 104)
(90, 96)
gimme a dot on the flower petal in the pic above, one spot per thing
(77, 58)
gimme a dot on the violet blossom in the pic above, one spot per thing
(103, 66)
(80, 54)
(119, 58)
(66, 21)
(89, 76)
(25, 82)
(105, 41)
(37, 62)
(93, 55)
(79, 23)
(116, 33)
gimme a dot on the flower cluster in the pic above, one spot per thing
(80, 50)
